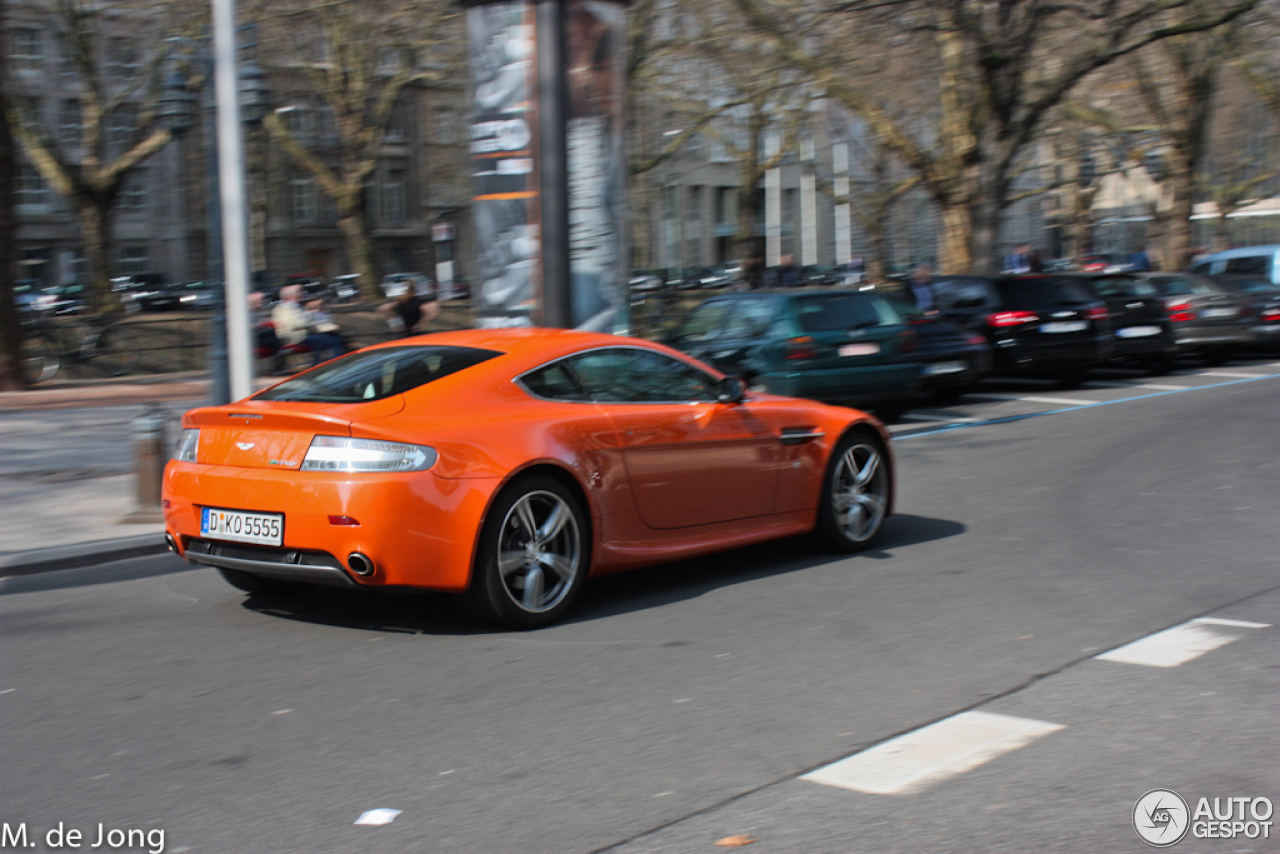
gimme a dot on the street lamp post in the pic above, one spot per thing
(230, 355)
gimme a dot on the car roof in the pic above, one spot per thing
(1243, 252)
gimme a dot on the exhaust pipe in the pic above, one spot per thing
(360, 564)
(171, 543)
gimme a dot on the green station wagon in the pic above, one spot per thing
(840, 346)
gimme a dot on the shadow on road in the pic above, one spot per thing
(436, 614)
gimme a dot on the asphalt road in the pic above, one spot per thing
(682, 705)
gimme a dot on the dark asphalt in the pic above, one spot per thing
(680, 704)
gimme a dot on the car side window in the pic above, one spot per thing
(749, 318)
(1256, 265)
(1110, 287)
(704, 322)
(556, 382)
(629, 375)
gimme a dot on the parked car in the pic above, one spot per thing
(646, 280)
(68, 299)
(703, 278)
(395, 285)
(31, 295)
(313, 286)
(200, 296)
(1246, 260)
(346, 288)
(1139, 320)
(483, 448)
(159, 297)
(1207, 320)
(1037, 325)
(1261, 307)
(952, 358)
(850, 347)
(1109, 262)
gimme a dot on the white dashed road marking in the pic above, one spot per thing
(1064, 401)
(1233, 374)
(1136, 386)
(1183, 643)
(933, 753)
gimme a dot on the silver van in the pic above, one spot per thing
(1247, 260)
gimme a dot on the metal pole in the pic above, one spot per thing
(235, 232)
(553, 113)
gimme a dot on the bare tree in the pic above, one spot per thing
(114, 53)
(363, 59)
(997, 70)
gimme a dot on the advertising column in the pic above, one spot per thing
(547, 134)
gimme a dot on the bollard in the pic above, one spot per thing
(150, 453)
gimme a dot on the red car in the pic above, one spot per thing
(508, 466)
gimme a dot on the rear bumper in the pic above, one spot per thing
(1191, 339)
(1021, 357)
(979, 365)
(418, 530)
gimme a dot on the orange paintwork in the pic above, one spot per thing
(662, 481)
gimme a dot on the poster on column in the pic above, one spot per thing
(505, 185)
(597, 166)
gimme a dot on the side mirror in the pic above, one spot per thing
(732, 390)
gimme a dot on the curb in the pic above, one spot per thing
(80, 555)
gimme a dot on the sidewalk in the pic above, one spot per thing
(67, 473)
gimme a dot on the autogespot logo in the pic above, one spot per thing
(1161, 817)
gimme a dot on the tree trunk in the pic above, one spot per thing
(876, 231)
(1178, 238)
(360, 254)
(94, 219)
(957, 235)
(11, 378)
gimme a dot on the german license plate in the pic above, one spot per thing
(265, 529)
(944, 368)
(860, 349)
(1064, 326)
(1219, 312)
(1137, 331)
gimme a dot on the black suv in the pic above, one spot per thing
(1037, 325)
(1142, 327)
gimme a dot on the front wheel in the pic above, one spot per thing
(40, 359)
(856, 494)
(533, 556)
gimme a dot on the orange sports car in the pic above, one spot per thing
(508, 466)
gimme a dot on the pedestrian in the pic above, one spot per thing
(921, 286)
(1139, 262)
(788, 275)
(293, 327)
(1034, 263)
(753, 272)
(410, 313)
(1019, 260)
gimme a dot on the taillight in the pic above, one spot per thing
(1180, 312)
(975, 340)
(1012, 318)
(801, 348)
(908, 342)
(1098, 312)
(1271, 315)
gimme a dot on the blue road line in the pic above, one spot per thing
(965, 426)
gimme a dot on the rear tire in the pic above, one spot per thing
(256, 584)
(114, 351)
(1161, 365)
(534, 553)
(857, 491)
(1072, 379)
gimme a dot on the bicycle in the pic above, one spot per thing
(109, 347)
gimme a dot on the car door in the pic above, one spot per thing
(690, 460)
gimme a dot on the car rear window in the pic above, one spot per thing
(1042, 293)
(1174, 285)
(376, 374)
(960, 293)
(1248, 285)
(830, 312)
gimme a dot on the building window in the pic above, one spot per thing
(302, 200)
(32, 191)
(393, 208)
(122, 126)
(133, 260)
(28, 49)
(133, 191)
(397, 125)
(122, 59)
(443, 127)
(70, 127)
(300, 120)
